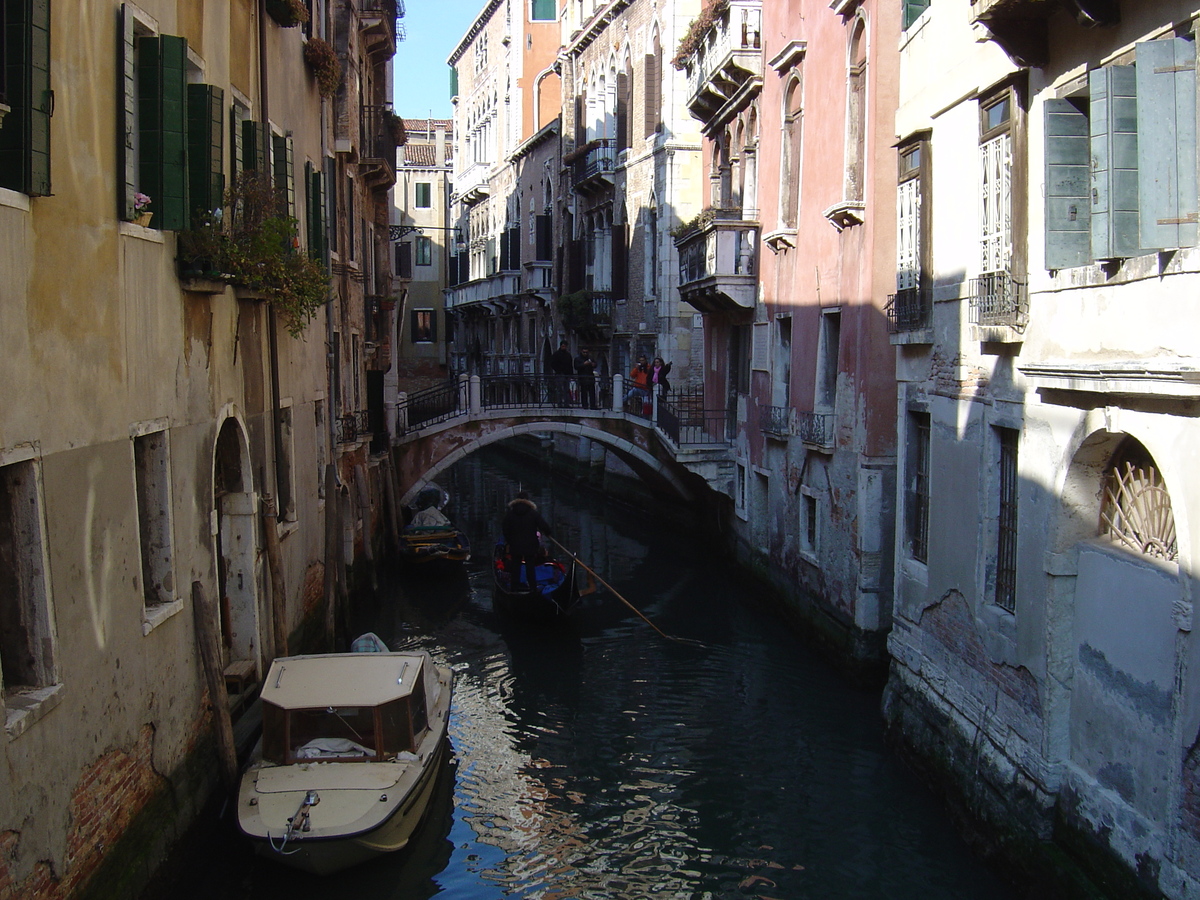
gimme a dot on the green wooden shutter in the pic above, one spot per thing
(284, 171)
(543, 10)
(913, 10)
(1166, 125)
(318, 244)
(1114, 162)
(256, 146)
(162, 108)
(453, 82)
(206, 147)
(236, 135)
(1068, 180)
(25, 132)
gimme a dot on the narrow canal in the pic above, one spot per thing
(603, 761)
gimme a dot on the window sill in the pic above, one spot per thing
(152, 235)
(14, 200)
(26, 707)
(156, 615)
(997, 334)
(916, 336)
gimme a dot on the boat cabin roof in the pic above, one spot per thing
(341, 679)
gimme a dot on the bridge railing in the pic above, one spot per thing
(431, 406)
(551, 391)
(683, 417)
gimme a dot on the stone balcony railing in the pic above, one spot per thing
(727, 62)
(718, 262)
(494, 288)
(472, 183)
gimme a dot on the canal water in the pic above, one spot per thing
(602, 760)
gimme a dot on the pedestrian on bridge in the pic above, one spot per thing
(562, 367)
(585, 374)
(638, 395)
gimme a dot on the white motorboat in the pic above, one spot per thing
(351, 746)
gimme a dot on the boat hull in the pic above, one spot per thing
(555, 597)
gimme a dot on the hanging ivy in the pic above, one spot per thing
(693, 38)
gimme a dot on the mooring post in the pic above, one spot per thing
(204, 615)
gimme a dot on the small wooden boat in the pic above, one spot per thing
(556, 593)
(351, 746)
(429, 536)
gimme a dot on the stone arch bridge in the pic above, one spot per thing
(678, 448)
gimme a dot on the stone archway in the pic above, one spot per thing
(236, 509)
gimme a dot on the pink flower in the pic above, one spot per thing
(140, 201)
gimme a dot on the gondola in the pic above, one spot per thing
(430, 537)
(556, 594)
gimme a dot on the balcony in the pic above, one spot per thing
(472, 185)
(910, 315)
(1019, 27)
(588, 313)
(999, 307)
(815, 429)
(724, 64)
(380, 132)
(494, 290)
(593, 165)
(718, 262)
(775, 421)
(379, 25)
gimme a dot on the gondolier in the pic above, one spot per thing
(522, 526)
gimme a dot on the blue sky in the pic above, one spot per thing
(422, 77)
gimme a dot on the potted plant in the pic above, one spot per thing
(202, 248)
(142, 215)
(288, 13)
(322, 59)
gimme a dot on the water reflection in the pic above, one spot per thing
(601, 761)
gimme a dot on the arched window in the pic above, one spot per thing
(1135, 512)
(789, 153)
(856, 113)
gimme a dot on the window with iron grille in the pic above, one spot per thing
(910, 307)
(1136, 512)
(995, 156)
(916, 506)
(1006, 537)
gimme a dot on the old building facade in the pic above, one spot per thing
(162, 408)
(1043, 658)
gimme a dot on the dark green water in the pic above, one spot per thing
(604, 761)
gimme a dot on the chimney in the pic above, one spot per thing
(440, 157)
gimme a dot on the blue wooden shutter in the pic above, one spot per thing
(25, 132)
(284, 171)
(1166, 123)
(1114, 162)
(206, 147)
(1068, 179)
(162, 133)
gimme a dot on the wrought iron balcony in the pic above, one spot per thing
(593, 165)
(815, 428)
(775, 421)
(998, 299)
(352, 427)
(718, 261)
(909, 310)
(725, 64)
(379, 25)
(378, 140)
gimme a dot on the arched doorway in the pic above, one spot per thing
(237, 569)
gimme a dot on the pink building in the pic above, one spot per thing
(792, 264)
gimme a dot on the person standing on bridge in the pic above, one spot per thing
(563, 368)
(585, 374)
(638, 395)
(523, 527)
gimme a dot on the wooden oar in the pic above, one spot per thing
(617, 594)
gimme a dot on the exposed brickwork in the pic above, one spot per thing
(950, 622)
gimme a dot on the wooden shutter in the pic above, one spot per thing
(622, 111)
(162, 107)
(544, 250)
(404, 259)
(543, 10)
(1068, 183)
(283, 165)
(1114, 162)
(129, 99)
(620, 264)
(236, 135)
(514, 246)
(504, 250)
(653, 87)
(25, 133)
(206, 147)
(256, 145)
(1166, 126)
(913, 9)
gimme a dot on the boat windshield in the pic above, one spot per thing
(332, 733)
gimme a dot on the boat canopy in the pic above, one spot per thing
(343, 679)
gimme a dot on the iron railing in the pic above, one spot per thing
(552, 391)
(430, 406)
(597, 161)
(999, 299)
(378, 139)
(910, 309)
(775, 421)
(683, 417)
(815, 428)
(351, 427)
